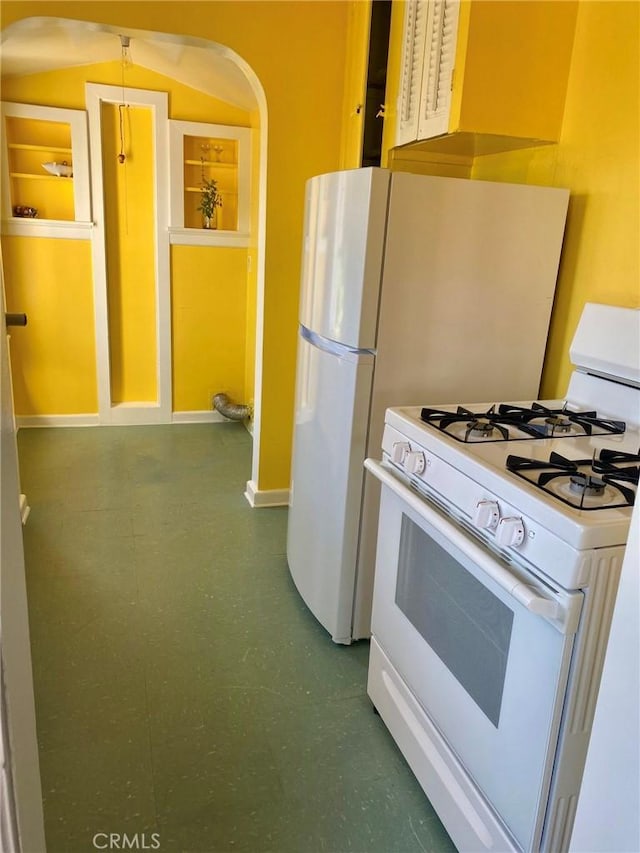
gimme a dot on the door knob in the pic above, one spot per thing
(15, 319)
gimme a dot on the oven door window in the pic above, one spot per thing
(465, 624)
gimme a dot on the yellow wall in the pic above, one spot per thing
(129, 222)
(598, 159)
(297, 50)
(53, 286)
(130, 258)
(355, 82)
(65, 88)
(529, 52)
(209, 306)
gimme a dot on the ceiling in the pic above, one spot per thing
(48, 44)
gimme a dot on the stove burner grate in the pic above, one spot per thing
(514, 423)
(488, 426)
(608, 473)
(558, 422)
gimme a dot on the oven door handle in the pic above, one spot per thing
(548, 608)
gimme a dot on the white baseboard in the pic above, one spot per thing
(136, 414)
(263, 498)
(204, 417)
(57, 420)
(121, 416)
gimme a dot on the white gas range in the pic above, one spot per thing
(502, 532)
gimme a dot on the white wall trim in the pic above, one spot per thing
(199, 417)
(158, 101)
(242, 135)
(195, 237)
(47, 228)
(137, 414)
(28, 421)
(260, 277)
(266, 497)
(122, 414)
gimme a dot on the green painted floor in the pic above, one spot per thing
(182, 687)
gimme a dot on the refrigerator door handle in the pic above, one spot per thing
(334, 347)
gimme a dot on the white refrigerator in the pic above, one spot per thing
(414, 290)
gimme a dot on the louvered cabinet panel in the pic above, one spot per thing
(429, 44)
(435, 100)
(413, 52)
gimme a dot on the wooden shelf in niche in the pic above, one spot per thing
(39, 177)
(44, 148)
(35, 135)
(218, 152)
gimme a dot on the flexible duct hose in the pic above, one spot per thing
(233, 411)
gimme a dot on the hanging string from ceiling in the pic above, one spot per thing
(125, 62)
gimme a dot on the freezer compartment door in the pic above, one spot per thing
(331, 422)
(345, 220)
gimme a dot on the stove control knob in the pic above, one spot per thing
(510, 531)
(414, 462)
(399, 451)
(487, 515)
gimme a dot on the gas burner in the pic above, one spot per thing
(605, 482)
(584, 484)
(558, 423)
(481, 427)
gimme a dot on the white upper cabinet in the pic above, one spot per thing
(429, 46)
(478, 76)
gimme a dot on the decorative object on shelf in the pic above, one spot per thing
(210, 201)
(60, 170)
(217, 152)
(25, 212)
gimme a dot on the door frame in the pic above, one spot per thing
(161, 410)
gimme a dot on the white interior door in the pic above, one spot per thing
(21, 817)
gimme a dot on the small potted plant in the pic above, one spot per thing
(210, 201)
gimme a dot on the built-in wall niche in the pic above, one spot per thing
(45, 171)
(201, 152)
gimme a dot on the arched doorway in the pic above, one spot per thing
(43, 44)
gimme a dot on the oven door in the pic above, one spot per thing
(484, 646)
